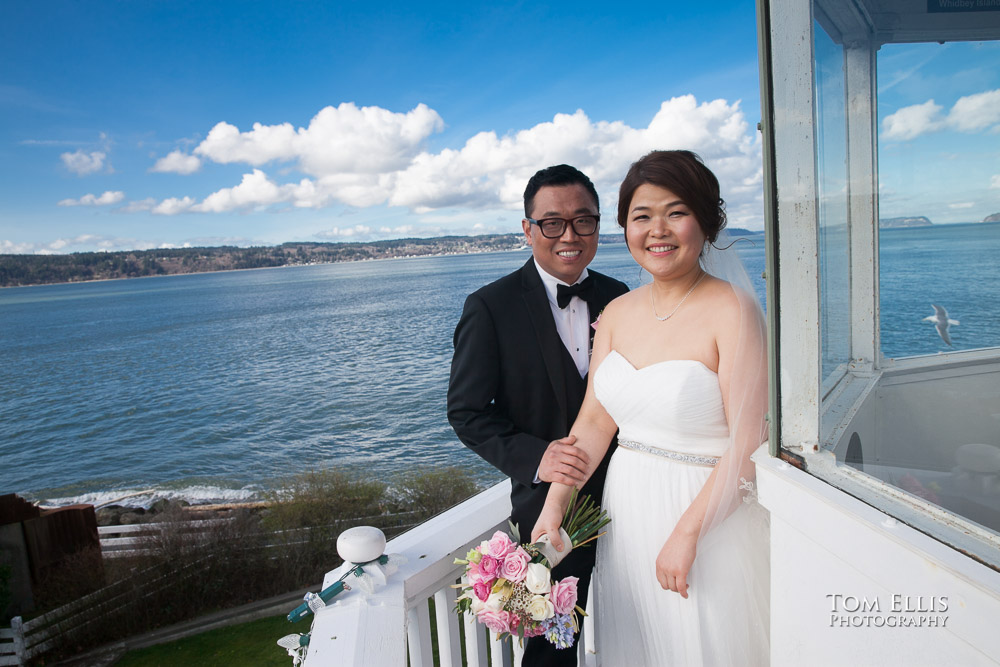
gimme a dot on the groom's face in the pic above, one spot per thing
(568, 255)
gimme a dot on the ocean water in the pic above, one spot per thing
(214, 386)
(954, 266)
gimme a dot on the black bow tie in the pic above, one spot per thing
(583, 289)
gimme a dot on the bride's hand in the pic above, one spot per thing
(674, 562)
(549, 522)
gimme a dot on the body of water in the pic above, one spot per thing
(213, 386)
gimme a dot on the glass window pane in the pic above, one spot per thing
(831, 168)
(939, 188)
(936, 421)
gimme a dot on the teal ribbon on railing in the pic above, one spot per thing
(334, 589)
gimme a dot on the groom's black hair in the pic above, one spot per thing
(561, 174)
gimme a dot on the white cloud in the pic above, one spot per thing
(173, 206)
(910, 122)
(975, 112)
(339, 140)
(490, 171)
(345, 232)
(401, 230)
(8, 247)
(81, 163)
(96, 242)
(971, 113)
(177, 162)
(961, 205)
(50, 248)
(106, 199)
(995, 181)
(256, 189)
(147, 204)
(368, 156)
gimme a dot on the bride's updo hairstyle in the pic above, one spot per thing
(684, 174)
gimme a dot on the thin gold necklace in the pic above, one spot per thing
(652, 300)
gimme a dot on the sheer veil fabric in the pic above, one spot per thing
(735, 489)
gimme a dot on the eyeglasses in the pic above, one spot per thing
(553, 228)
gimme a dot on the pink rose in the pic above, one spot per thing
(515, 565)
(490, 567)
(563, 595)
(500, 545)
(497, 621)
(482, 590)
(474, 574)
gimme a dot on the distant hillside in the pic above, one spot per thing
(917, 221)
(18, 270)
(992, 218)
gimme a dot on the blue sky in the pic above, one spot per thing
(939, 130)
(148, 124)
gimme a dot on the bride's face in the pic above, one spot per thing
(663, 234)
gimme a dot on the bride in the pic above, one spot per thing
(682, 575)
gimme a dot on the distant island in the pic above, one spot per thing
(22, 270)
(914, 221)
(992, 218)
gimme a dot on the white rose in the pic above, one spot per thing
(540, 608)
(494, 602)
(538, 579)
(477, 605)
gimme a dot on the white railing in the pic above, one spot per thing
(394, 623)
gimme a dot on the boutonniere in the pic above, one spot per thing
(593, 325)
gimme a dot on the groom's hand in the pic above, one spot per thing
(564, 462)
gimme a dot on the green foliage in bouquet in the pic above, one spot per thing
(584, 519)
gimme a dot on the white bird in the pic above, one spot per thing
(941, 322)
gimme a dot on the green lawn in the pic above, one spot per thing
(253, 643)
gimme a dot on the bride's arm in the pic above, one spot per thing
(593, 429)
(743, 383)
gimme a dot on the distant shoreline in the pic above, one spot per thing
(36, 270)
(262, 268)
(87, 267)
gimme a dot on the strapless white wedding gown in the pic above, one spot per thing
(675, 406)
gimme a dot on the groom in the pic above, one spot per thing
(522, 354)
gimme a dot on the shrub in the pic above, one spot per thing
(430, 491)
(185, 572)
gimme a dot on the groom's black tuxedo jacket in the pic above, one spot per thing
(514, 387)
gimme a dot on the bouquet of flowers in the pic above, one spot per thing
(509, 586)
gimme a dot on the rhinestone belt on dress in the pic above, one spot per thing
(691, 459)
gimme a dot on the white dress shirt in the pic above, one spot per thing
(572, 322)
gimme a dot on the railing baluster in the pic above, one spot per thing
(418, 636)
(449, 653)
(518, 651)
(430, 551)
(499, 652)
(588, 655)
(475, 642)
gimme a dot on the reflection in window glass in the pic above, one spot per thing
(939, 195)
(937, 431)
(831, 158)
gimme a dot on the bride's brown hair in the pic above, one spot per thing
(684, 174)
